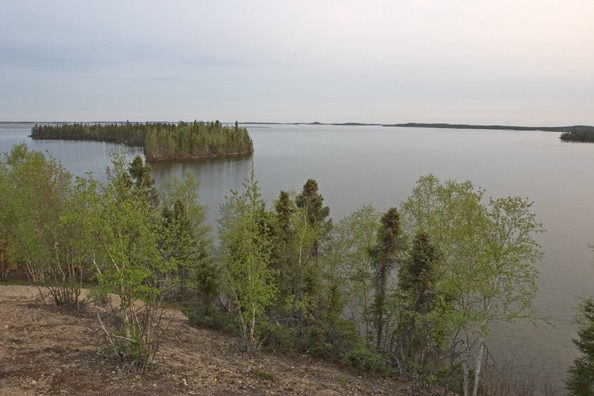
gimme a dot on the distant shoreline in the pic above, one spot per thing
(570, 128)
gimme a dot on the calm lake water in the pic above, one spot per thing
(355, 166)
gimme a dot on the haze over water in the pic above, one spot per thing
(356, 166)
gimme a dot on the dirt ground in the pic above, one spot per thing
(45, 350)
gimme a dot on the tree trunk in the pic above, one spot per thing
(466, 363)
(479, 361)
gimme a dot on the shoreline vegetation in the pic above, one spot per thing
(161, 141)
(409, 293)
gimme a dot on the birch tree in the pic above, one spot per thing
(485, 258)
(129, 261)
(42, 223)
(245, 251)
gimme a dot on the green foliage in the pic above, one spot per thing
(263, 375)
(581, 373)
(292, 241)
(585, 135)
(42, 222)
(428, 378)
(5, 221)
(205, 316)
(417, 341)
(161, 141)
(130, 261)
(312, 203)
(486, 257)
(283, 278)
(189, 241)
(245, 253)
(314, 342)
(385, 255)
(276, 336)
(141, 175)
(357, 234)
(363, 358)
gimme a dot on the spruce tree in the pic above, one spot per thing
(141, 174)
(581, 374)
(390, 242)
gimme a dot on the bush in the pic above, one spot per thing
(363, 358)
(276, 337)
(314, 342)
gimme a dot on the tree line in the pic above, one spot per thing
(578, 136)
(161, 141)
(410, 291)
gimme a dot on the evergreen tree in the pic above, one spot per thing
(312, 202)
(581, 374)
(315, 213)
(415, 341)
(390, 242)
(190, 239)
(141, 175)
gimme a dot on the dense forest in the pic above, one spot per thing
(411, 291)
(161, 141)
(578, 136)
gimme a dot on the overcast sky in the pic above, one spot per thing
(468, 61)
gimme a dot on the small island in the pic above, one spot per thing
(583, 136)
(161, 141)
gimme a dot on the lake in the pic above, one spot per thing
(360, 165)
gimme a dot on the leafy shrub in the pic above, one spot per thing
(314, 342)
(363, 358)
(277, 337)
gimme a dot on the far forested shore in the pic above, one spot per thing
(161, 141)
(572, 128)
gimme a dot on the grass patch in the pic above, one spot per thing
(14, 282)
(342, 380)
(263, 374)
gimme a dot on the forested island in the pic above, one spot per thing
(161, 141)
(586, 136)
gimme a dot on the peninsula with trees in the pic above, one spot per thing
(161, 141)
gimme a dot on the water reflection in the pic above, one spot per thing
(217, 177)
(79, 157)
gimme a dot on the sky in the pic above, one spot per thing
(509, 62)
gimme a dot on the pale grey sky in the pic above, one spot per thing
(524, 62)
